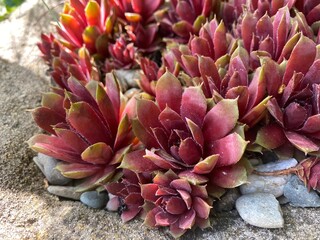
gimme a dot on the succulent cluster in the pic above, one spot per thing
(219, 81)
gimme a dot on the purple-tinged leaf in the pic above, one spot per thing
(229, 148)
(301, 142)
(45, 118)
(193, 178)
(143, 135)
(181, 184)
(206, 166)
(189, 151)
(201, 207)
(311, 125)
(176, 206)
(148, 192)
(306, 50)
(98, 153)
(196, 132)
(72, 139)
(169, 92)
(270, 136)
(148, 113)
(171, 120)
(136, 162)
(77, 170)
(190, 64)
(185, 195)
(229, 176)
(81, 115)
(226, 112)
(254, 115)
(294, 115)
(193, 105)
(187, 220)
(54, 147)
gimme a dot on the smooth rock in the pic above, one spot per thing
(94, 199)
(63, 191)
(298, 195)
(265, 184)
(278, 165)
(131, 92)
(227, 201)
(260, 210)
(283, 200)
(47, 165)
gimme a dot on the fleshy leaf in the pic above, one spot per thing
(226, 112)
(206, 166)
(77, 170)
(229, 176)
(270, 136)
(98, 153)
(169, 92)
(230, 149)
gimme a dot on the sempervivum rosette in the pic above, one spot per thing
(184, 17)
(309, 172)
(141, 25)
(219, 62)
(295, 104)
(175, 203)
(90, 130)
(198, 140)
(128, 194)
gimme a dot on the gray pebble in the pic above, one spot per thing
(127, 78)
(227, 201)
(265, 184)
(278, 165)
(64, 191)
(298, 194)
(255, 161)
(283, 200)
(260, 210)
(47, 165)
(94, 199)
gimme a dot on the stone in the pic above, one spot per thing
(278, 165)
(131, 92)
(128, 78)
(94, 199)
(298, 195)
(265, 184)
(283, 200)
(269, 184)
(47, 165)
(64, 191)
(260, 210)
(227, 201)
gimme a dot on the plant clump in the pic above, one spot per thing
(219, 82)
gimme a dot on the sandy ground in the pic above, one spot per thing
(27, 211)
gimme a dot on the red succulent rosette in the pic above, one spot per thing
(88, 153)
(184, 133)
(128, 192)
(175, 203)
(295, 104)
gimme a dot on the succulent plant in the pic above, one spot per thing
(175, 203)
(88, 23)
(294, 106)
(309, 172)
(128, 193)
(64, 63)
(141, 26)
(185, 17)
(122, 55)
(181, 132)
(88, 153)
